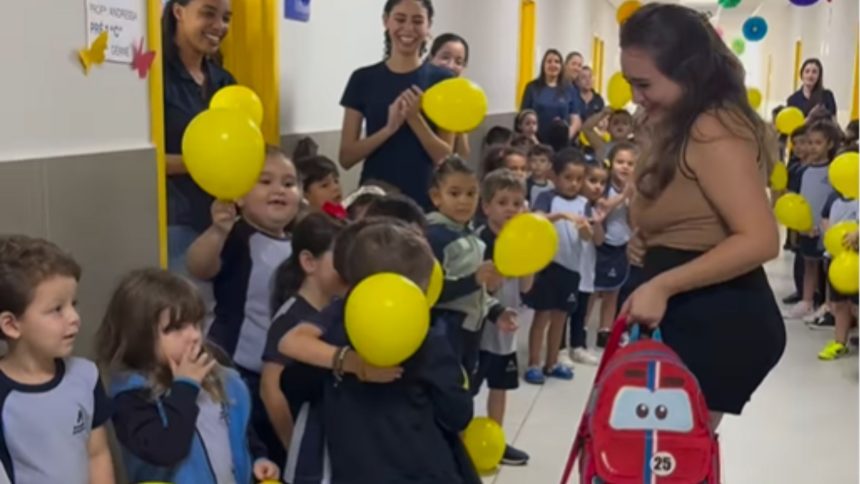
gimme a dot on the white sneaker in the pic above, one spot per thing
(564, 359)
(815, 315)
(585, 357)
(800, 310)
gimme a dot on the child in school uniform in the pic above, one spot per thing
(612, 266)
(594, 188)
(526, 124)
(239, 255)
(54, 406)
(540, 172)
(304, 284)
(320, 182)
(554, 294)
(503, 197)
(180, 415)
(620, 128)
(839, 209)
(822, 139)
(464, 304)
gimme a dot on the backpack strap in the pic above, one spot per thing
(612, 346)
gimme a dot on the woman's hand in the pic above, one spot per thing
(266, 470)
(647, 304)
(411, 102)
(396, 117)
(636, 249)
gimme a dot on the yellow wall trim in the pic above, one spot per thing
(527, 47)
(156, 120)
(798, 59)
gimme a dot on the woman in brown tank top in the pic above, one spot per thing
(701, 207)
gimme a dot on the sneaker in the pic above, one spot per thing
(560, 372)
(825, 322)
(585, 357)
(816, 315)
(534, 376)
(602, 338)
(564, 358)
(798, 311)
(791, 299)
(832, 350)
(514, 457)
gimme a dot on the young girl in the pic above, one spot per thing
(452, 52)
(508, 157)
(320, 181)
(240, 256)
(822, 141)
(612, 266)
(526, 124)
(594, 188)
(554, 294)
(179, 415)
(304, 284)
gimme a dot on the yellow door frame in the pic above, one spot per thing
(798, 59)
(156, 122)
(854, 93)
(526, 47)
(597, 46)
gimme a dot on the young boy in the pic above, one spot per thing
(320, 181)
(53, 405)
(240, 255)
(555, 290)
(503, 195)
(540, 166)
(407, 429)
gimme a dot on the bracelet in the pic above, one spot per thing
(337, 366)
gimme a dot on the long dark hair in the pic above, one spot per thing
(541, 79)
(688, 50)
(168, 29)
(389, 6)
(443, 39)
(818, 89)
(314, 234)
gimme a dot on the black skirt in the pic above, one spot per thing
(730, 335)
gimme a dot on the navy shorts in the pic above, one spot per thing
(612, 267)
(810, 247)
(556, 288)
(464, 344)
(501, 372)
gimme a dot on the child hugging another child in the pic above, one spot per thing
(464, 304)
(503, 196)
(612, 267)
(240, 256)
(53, 405)
(180, 416)
(554, 295)
(304, 284)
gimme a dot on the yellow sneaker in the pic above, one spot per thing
(832, 350)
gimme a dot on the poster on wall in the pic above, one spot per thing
(299, 10)
(123, 20)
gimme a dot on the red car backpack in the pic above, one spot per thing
(646, 421)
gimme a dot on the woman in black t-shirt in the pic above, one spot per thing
(812, 98)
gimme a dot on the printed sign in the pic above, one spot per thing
(123, 20)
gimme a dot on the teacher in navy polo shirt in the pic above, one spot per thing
(192, 31)
(812, 98)
(400, 146)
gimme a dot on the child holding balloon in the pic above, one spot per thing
(554, 295)
(464, 304)
(180, 416)
(503, 196)
(239, 255)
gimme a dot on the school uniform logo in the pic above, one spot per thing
(82, 421)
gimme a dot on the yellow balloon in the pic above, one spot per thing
(387, 319)
(583, 140)
(457, 105)
(526, 244)
(844, 272)
(788, 120)
(241, 98)
(754, 97)
(779, 177)
(437, 281)
(619, 92)
(843, 174)
(224, 152)
(835, 236)
(793, 211)
(626, 9)
(485, 442)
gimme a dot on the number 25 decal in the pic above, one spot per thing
(663, 464)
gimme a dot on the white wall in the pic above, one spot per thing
(47, 106)
(318, 57)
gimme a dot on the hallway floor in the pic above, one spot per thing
(801, 426)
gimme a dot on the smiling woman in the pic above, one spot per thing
(192, 33)
(400, 146)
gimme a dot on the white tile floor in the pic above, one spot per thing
(801, 426)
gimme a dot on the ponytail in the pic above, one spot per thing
(289, 278)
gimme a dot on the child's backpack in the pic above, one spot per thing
(646, 421)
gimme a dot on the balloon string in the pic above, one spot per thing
(758, 9)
